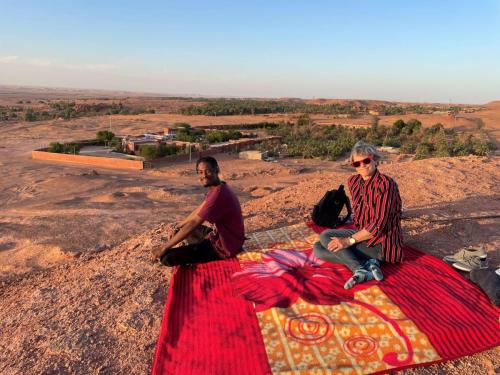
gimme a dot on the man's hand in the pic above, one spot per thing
(338, 243)
(157, 252)
(179, 236)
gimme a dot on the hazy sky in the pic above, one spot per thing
(370, 49)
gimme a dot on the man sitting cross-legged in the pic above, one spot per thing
(221, 208)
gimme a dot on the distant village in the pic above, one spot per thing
(170, 137)
(175, 143)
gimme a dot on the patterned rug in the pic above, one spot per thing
(278, 309)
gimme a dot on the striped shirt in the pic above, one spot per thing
(377, 208)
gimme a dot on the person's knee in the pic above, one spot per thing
(326, 237)
(319, 251)
(166, 260)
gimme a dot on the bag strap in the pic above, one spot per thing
(349, 210)
(347, 203)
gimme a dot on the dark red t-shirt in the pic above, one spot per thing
(223, 209)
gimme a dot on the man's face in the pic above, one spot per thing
(208, 176)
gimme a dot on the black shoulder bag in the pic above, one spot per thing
(327, 212)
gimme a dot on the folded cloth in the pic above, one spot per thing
(489, 281)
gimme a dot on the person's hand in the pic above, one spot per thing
(338, 243)
(157, 252)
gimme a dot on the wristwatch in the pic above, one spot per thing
(352, 240)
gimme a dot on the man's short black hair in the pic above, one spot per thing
(208, 160)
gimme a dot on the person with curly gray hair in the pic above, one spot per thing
(377, 217)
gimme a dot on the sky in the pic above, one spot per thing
(422, 51)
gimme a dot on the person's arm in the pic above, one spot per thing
(385, 205)
(190, 224)
(339, 243)
(191, 216)
(206, 211)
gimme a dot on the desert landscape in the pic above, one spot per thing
(79, 293)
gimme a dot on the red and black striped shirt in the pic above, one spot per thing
(377, 208)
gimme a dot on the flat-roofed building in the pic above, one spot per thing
(133, 144)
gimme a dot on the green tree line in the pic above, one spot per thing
(150, 152)
(228, 107)
(69, 110)
(10, 113)
(305, 139)
(64, 148)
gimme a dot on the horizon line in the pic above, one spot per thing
(212, 96)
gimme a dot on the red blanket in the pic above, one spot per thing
(277, 308)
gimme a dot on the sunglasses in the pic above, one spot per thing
(365, 161)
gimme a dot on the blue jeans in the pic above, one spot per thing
(353, 256)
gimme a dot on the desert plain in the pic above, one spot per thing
(79, 293)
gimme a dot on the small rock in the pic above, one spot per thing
(100, 247)
(121, 327)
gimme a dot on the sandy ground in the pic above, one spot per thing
(78, 293)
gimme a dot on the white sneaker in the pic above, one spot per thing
(466, 253)
(473, 263)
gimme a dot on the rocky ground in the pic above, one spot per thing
(78, 292)
(98, 310)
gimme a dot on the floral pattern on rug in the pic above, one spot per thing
(310, 323)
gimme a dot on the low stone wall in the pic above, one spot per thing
(88, 160)
(104, 162)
